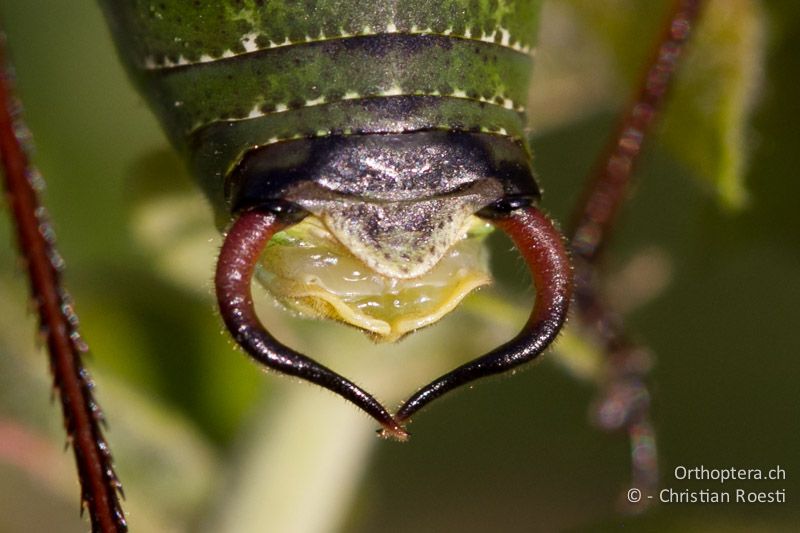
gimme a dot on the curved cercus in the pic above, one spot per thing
(237, 260)
(543, 248)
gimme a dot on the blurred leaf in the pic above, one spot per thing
(153, 444)
(706, 122)
(507, 456)
(301, 447)
(172, 222)
(159, 446)
(625, 29)
(572, 75)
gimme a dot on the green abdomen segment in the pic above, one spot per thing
(228, 76)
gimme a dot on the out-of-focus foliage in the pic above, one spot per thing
(204, 441)
(707, 124)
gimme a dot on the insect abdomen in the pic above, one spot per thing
(227, 77)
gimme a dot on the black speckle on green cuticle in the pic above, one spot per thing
(235, 59)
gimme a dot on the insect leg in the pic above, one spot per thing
(100, 487)
(240, 252)
(626, 400)
(544, 250)
(609, 183)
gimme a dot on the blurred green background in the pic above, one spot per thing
(204, 441)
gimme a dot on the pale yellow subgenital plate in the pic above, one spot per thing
(309, 270)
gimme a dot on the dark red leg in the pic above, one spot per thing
(237, 260)
(57, 319)
(625, 401)
(544, 251)
(608, 186)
